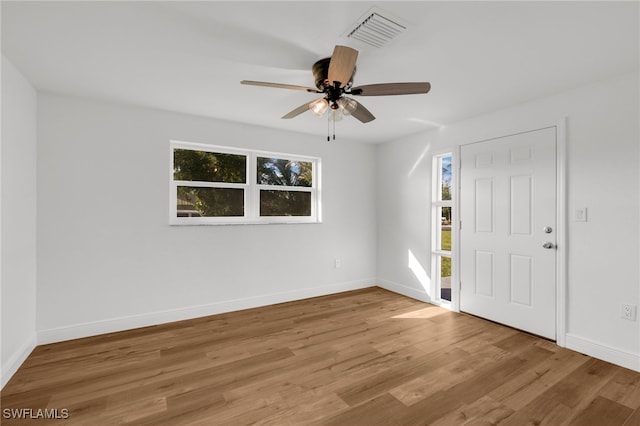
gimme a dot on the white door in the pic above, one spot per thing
(508, 230)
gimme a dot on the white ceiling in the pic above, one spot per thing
(190, 56)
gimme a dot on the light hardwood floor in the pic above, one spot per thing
(367, 357)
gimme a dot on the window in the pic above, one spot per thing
(218, 185)
(209, 184)
(285, 186)
(442, 208)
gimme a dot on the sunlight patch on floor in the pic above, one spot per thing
(430, 312)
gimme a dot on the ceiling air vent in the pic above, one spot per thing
(377, 28)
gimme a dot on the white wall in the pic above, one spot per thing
(404, 208)
(107, 258)
(602, 174)
(18, 260)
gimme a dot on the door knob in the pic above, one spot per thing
(548, 245)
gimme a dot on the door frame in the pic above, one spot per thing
(561, 219)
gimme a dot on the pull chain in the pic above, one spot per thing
(328, 124)
(329, 127)
(334, 129)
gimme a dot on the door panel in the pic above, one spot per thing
(484, 201)
(521, 279)
(521, 212)
(507, 198)
(484, 273)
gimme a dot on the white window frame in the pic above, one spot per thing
(314, 189)
(251, 188)
(436, 225)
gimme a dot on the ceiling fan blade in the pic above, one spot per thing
(342, 65)
(360, 112)
(279, 86)
(296, 112)
(385, 89)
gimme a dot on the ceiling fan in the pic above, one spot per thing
(334, 79)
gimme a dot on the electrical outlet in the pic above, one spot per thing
(629, 312)
(337, 263)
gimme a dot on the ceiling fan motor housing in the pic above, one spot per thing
(320, 72)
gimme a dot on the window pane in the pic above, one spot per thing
(445, 216)
(210, 202)
(446, 238)
(278, 171)
(445, 278)
(445, 178)
(207, 166)
(285, 203)
(443, 230)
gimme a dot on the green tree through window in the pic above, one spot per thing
(279, 172)
(209, 166)
(204, 166)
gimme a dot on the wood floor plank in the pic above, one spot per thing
(634, 420)
(399, 371)
(606, 411)
(624, 387)
(482, 411)
(526, 387)
(543, 411)
(447, 376)
(580, 386)
(568, 397)
(382, 410)
(366, 357)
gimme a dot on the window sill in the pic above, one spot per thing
(279, 221)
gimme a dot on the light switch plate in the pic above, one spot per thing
(580, 214)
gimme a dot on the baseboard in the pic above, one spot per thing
(95, 328)
(11, 365)
(610, 354)
(404, 290)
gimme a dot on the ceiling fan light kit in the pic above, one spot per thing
(319, 106)
(334, 79)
